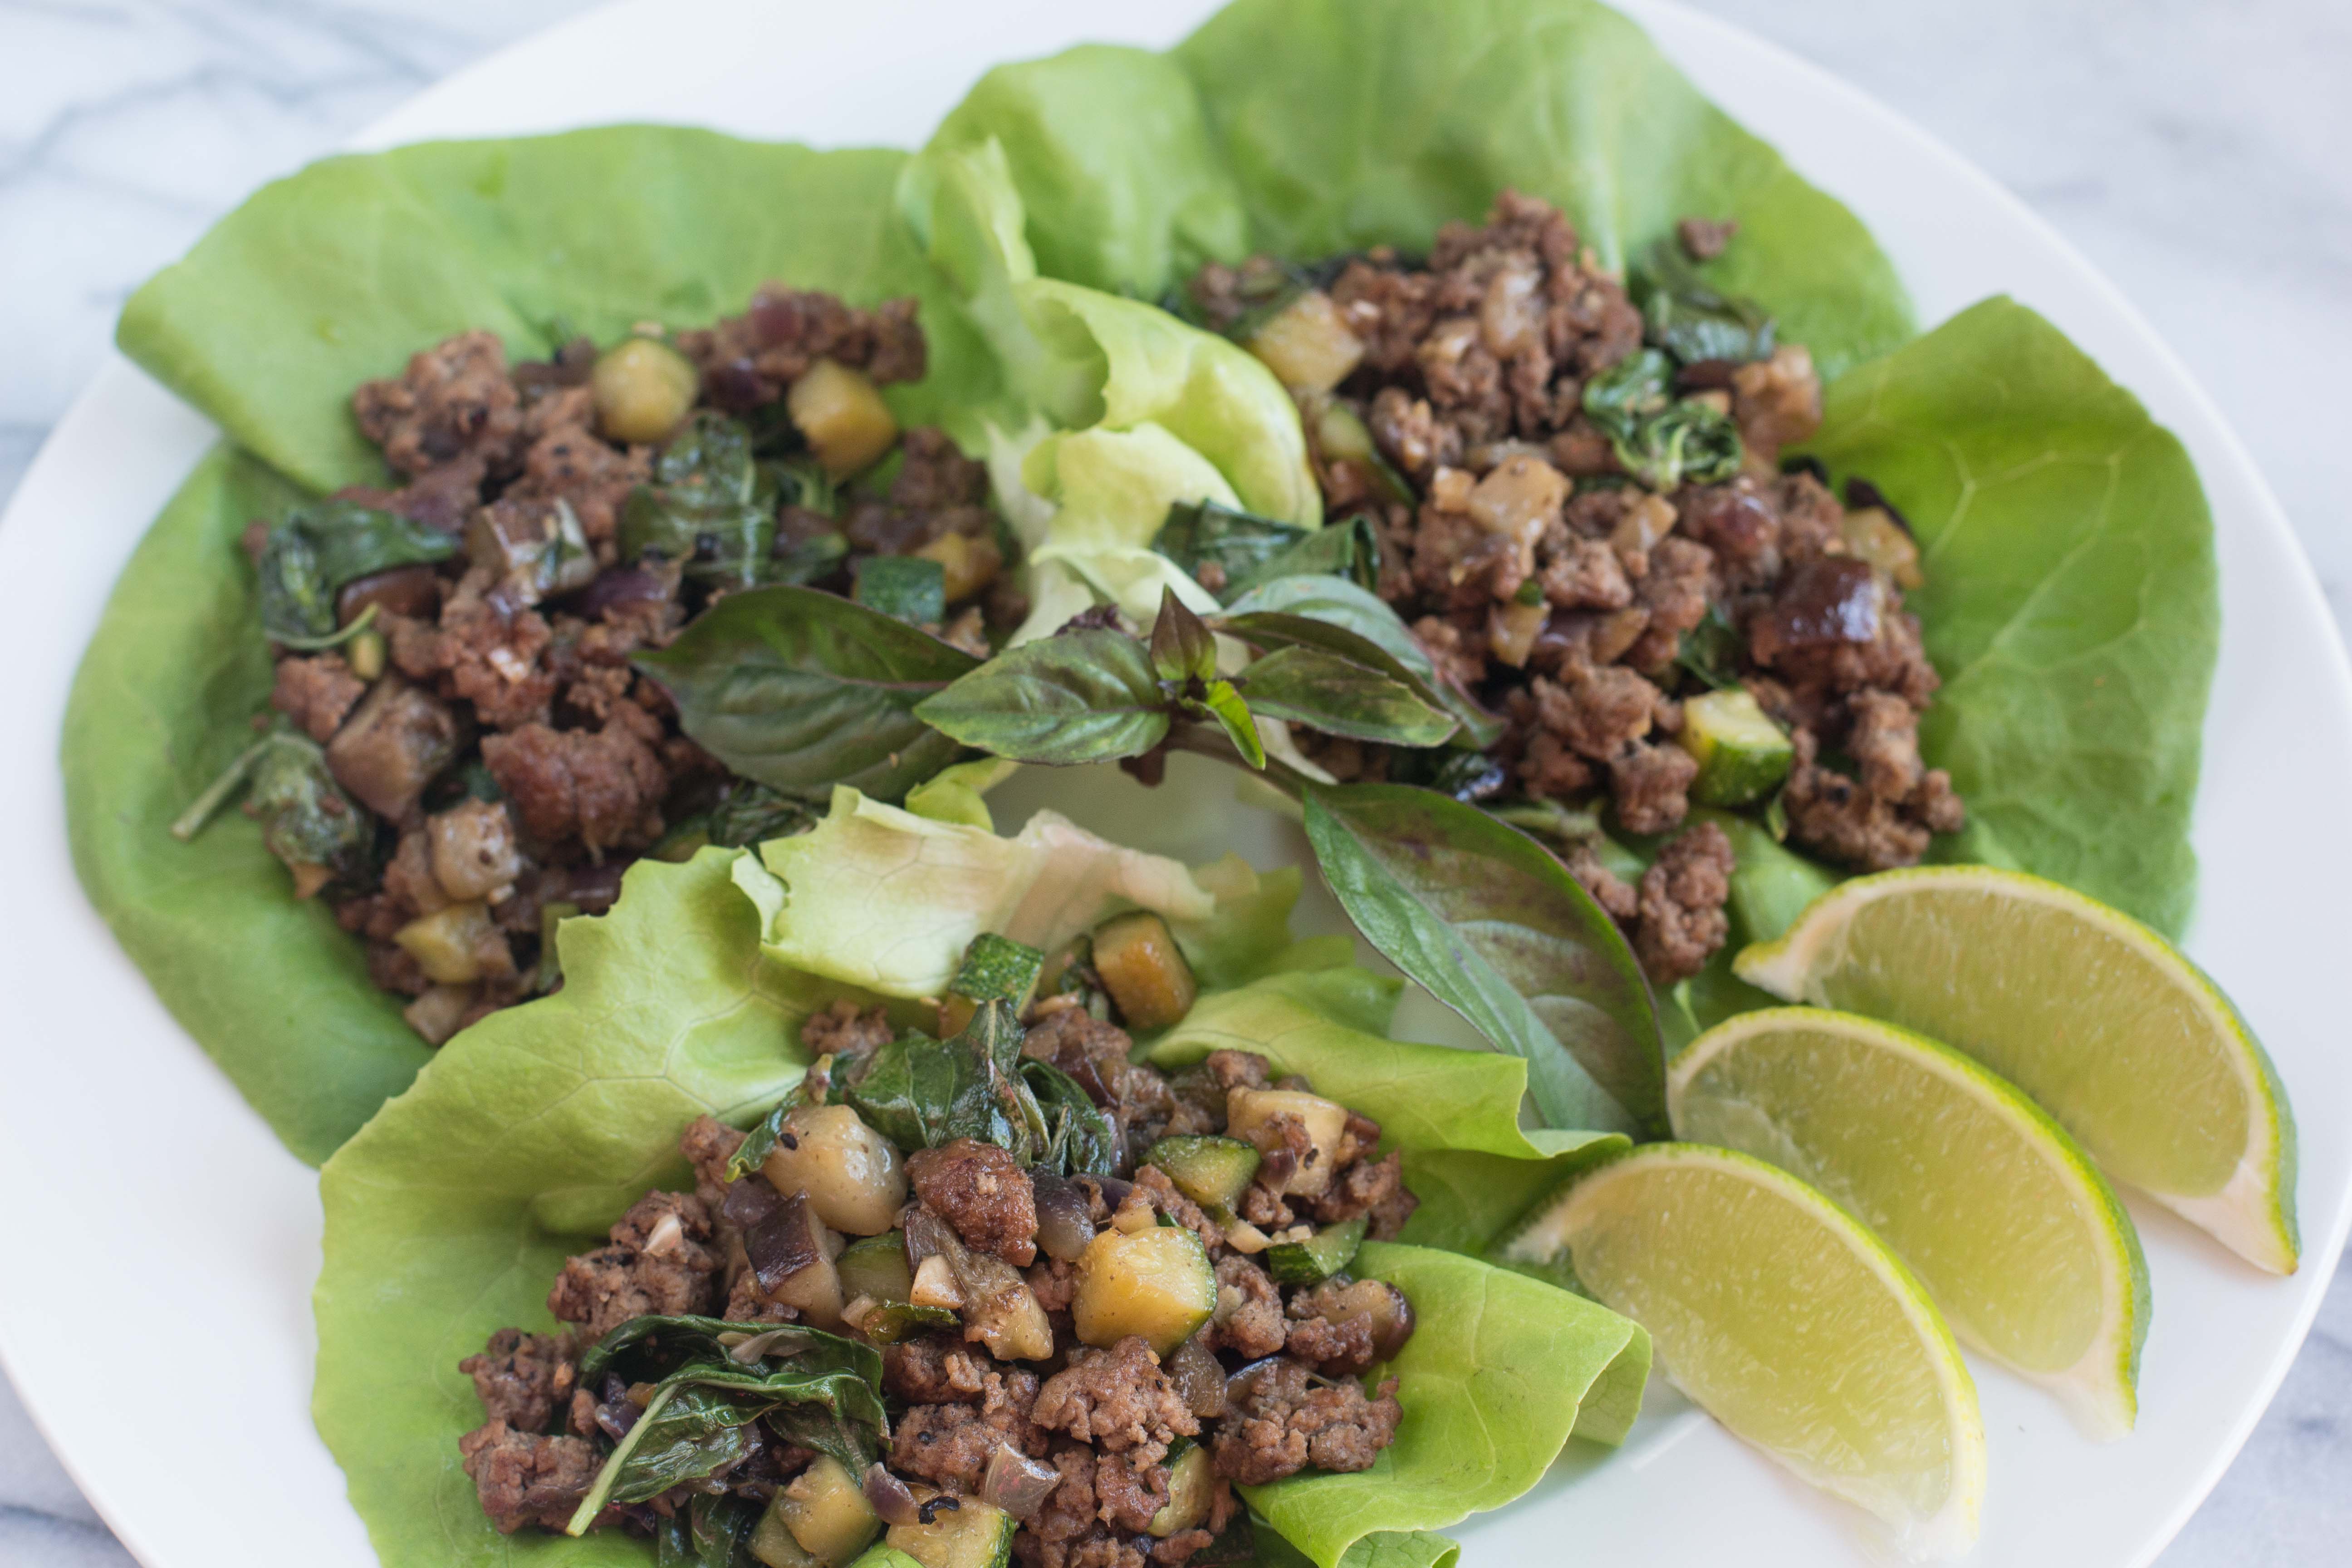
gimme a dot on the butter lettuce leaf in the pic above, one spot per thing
(2072, 601)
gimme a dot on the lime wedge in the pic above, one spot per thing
(2001, 1214)
(2098, 1019)
(1787, 1321)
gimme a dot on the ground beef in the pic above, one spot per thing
(981, 1191)
(1343, 1348)
(453, 402)
(525, 1478)
(845, 1030)
(659, 1261)
(1072, 1530)
(950, 1443)
(603, 787)
(1118, 1399)
(1248, 1318)
(1616, 896)
(1703, 239)
(1286, 1423)
(1374, 1188)
(708, 1144)
(523, 1379)
(317, 693)
(749, 360)
(1682, 921)
(1155, 1191)
(936, 1371)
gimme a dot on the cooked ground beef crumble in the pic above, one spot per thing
(490, 720)
(1268, 1385)
(1549, 583)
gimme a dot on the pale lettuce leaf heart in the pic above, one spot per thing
(2073, 601)
(886, 900)
(1500, 1372)
(449, 1216)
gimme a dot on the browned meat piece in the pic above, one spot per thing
(1810, 518)
(1609, 890)
(1844, 819)
(981, 1191)
(1459, 653)
(1094, 1053)
(1116, 1399)
(1071, 1529)
(454, 401)
(1740, 525)
(317, 693)
(1584, 575)
(938, 491)
(1053, 1282)
(1248, 1318)
(1237, 1069)
(1703, 239)
(1675, 592)
(933, 1371)
(658, 1261)
(950, 1443)
(1129, 1489)
(1285, 1424)
(845, 1029)
(568, 461)
(749, 360)
(1776, 401)
(1372, 1187)
(1682, 919)
(708, 1144)
(392, 746)
(522, 1379)
(1598, 713)
(1884, 738)
(1651, 787)
(601, 786)
(1343, 1348)
(1152, 1188)
(525, 1478)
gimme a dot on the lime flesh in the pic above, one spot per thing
(2001, 1214)
(2100, 1020)
(1788, 1321)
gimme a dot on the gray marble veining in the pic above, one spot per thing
(2200, 152)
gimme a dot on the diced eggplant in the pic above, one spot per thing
(1250, 1113)
(852, 1174)
(1155, 1283)
(1211, 1171)
(393, 746)
(1144, 971)
(792, 1254)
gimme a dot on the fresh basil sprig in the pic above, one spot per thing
(801, 690)
(1353, 622)
(321, 546)
(1490, 923)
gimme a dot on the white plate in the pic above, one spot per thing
(164, 1246)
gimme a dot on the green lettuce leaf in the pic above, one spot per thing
(2071, 603)
(447, 1217)
(887, 900)
(273, 990)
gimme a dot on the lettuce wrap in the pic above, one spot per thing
(449, 1214)
(2072, 607)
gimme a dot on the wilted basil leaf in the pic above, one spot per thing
(686, 1433)
(1492, 925)
(1314, 687)
(906, 586)
(1222, 702)
(1711, 650)
(1308, 610)
(320, 546)
(1182, 647)
(1250, 550)
(713, 1532)
(1660, 441)
(752, 814)
(1691, 321)
(920, 1093)
(306, 818)
(709, 505)
(801, 690)
(1085, 696)
(1080, 1140)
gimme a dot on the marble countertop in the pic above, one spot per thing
(2195, 151)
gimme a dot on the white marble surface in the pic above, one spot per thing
(2200, 152)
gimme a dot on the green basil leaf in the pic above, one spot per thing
(1348, 550)
(320, 546)
(920, 1093)
(684, 1434)
(1682, 314)
(1202, 533)
(802, 690)
(1322, 690)
(1492, 925)
(710, 505)
(1224, 703)
(650, 1348)
(1660, 440)
(717, 1533)
(1712, 649)
(1080, 1140)
(752, 814)
(1183, 648)
(1086, 696)
(908, 587)
(1309, 611)
(306, 818)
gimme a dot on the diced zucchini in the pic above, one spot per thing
(845, 420)
(826, 1512)
(1343, 437)
(1143, 970)
(906, 586)
(450, 944)
(1250, 1113)
(1211, 1171)
(1871, 533)
(1156, 1283)
(875, 1268)
(1192, 1488)
(641, 388)
(1307, 344)
(997, 968)
(972, 1534)
(853, 1177)
(895, 1321)
(771, 1540)
(1317, 1257)
(1512, 630)
(1742, 756)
